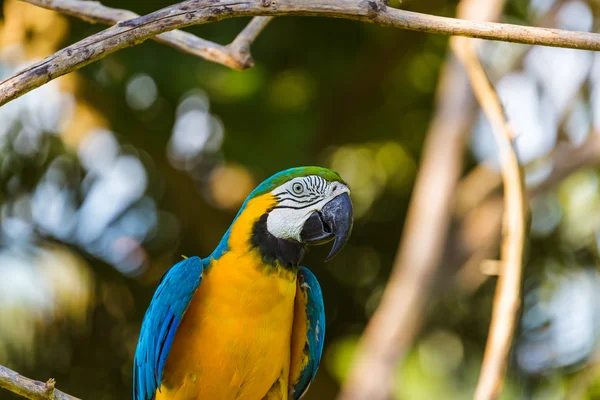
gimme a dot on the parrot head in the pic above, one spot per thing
(299, 207)
(313, 207)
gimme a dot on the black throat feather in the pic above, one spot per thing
(273, 250)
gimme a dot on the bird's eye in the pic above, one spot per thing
(297, 188)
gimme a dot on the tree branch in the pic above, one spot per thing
(507, 297)
(398, 317)
(479, 230)
(482, 181)
(232, 56)
(30, 389)
(240, 47)
(400, 313)
(131, 32)
(569, 158)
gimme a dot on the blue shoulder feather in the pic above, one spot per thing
(170, 301)
(315, 330)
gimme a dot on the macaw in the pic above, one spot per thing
(247, 322)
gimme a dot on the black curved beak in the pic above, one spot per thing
(334, 221)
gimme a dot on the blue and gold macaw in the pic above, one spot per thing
(247, 322)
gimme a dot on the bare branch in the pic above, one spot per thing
(482, 181)
(230, 56)
(569, 158)
(30, 389)
(479, 231)
(475, 187)
(507, 297)
(239, 49)
(399, 316)
(131, 32)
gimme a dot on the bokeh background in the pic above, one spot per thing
(110, 174)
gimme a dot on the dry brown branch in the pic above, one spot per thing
(507, 297)
(475, 187)
(482, 181)
(191, 12)
(479, 231)
(240, 47)
(569, 158)
(234, 55)
(30, 389)
(398, 318)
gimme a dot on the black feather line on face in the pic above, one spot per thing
(274, 250)
(299, 207)
(298, 196)
(309, 199)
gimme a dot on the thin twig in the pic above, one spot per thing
(477, 185)
(398, 317)
(400, 313)
(479, 231)
(239, 49)
(482, 181)
(230, 55)
(507, 297)
(192, 12)
(569, 158)
(30, 389)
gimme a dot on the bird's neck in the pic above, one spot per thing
(274, 251)
(248, 235)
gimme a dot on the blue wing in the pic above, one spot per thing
(161, 321)
(307, 346)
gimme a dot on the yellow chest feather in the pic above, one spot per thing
(234, 341)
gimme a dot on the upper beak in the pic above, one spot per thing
(334, 221)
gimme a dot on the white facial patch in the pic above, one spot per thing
(298, 199)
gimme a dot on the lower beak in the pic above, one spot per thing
(333, 221)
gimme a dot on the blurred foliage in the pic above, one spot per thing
(109, 174)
